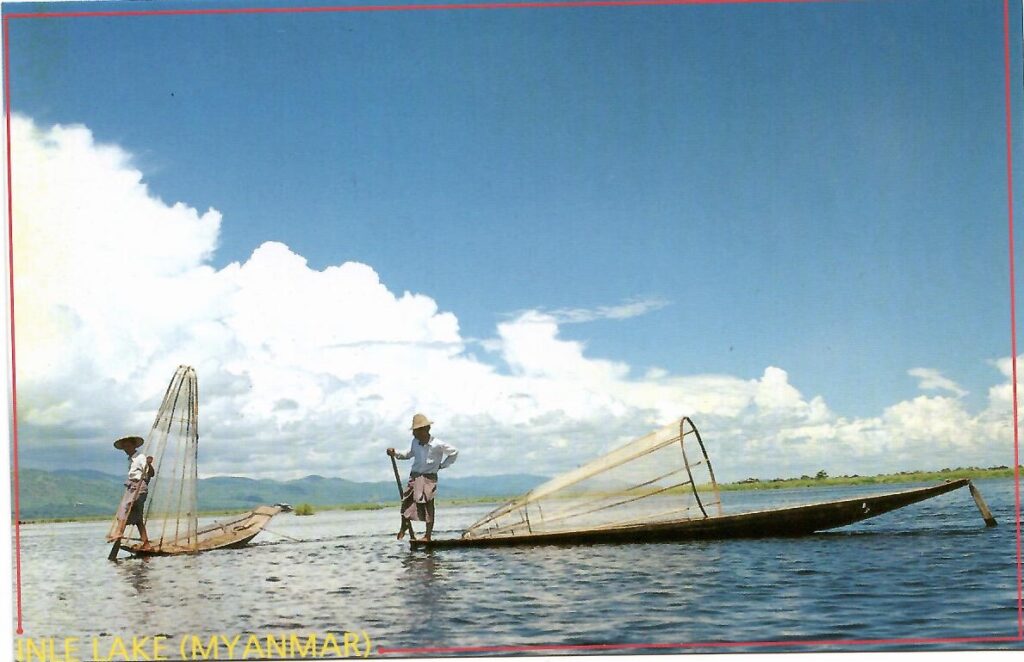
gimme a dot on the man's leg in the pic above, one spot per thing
(430, 519)
(402, 508)
(143, 535)
(406, 524)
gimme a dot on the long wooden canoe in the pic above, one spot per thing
(219, 535)
(789, 521)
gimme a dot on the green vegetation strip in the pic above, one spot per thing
(821, 479)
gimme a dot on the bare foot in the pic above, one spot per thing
(401, 534)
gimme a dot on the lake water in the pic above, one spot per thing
(931, 571)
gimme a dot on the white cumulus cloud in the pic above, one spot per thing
(308, 370)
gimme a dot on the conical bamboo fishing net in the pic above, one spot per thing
(171, 508)
(171, 512)
(661, 477)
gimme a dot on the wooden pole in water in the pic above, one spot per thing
(398, 482)
(986, 514)
(114, 549)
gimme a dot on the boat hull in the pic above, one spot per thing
(221, 535)
(790, 521)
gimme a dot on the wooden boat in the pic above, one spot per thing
(789, 521)
(219, 535)
(171, 507)
(661, 487)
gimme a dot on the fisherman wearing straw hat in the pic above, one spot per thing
(140, 471)
(429, 455)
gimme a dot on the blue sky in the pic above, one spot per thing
(815, 187)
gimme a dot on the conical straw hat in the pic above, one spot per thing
(420, 421)
(126, 441)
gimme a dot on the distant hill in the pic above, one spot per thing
(67, 494)
(84, 492)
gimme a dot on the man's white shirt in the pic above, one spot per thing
(137, 466)
(430, 457)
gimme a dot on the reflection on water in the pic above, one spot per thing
(423, 587)
(135, 574)
(890, 577)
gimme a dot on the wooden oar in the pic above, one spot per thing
(398, 482)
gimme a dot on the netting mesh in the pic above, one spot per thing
(170, 514)
(663, 476)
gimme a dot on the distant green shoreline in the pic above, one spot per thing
(879, 479)
(746, 484)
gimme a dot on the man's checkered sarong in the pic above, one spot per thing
(418, 493)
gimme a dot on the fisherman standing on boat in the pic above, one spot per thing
(429, 455)
(140, 471)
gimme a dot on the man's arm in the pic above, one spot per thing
(400, 456)
(451, 453)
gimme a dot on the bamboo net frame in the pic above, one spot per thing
(665, 475)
